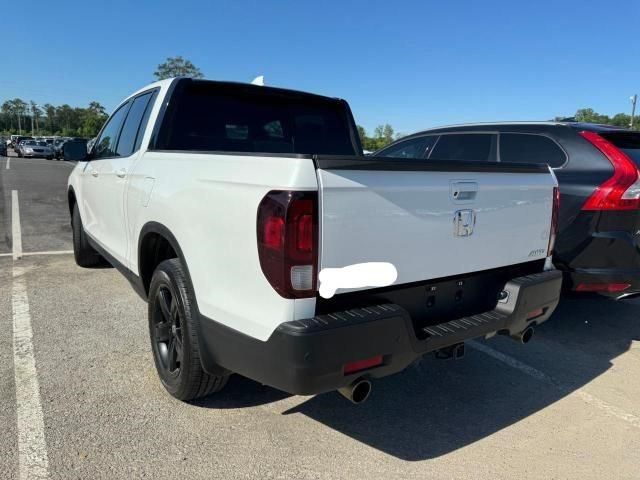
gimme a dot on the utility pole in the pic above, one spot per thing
(634, 99)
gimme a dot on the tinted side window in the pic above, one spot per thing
(132, 125)
(524, 148)
(145, 120)
(464, 146)
(628, 142)
(418, 147)
(105, 146)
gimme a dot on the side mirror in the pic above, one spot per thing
(75, 151)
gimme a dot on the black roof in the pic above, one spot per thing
(260, 88)
(518, 127)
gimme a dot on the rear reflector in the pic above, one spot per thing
(602, 287)
(535, 313)
(622, 190)
(359, 365)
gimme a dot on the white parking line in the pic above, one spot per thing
(32, 448)
(538, 375)
(49, 252)
(16, 233)
(8, 162)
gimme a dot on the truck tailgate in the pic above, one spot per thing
(432, 220)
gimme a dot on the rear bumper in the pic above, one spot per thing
(600, 249)
(308, 356)
(37, 155)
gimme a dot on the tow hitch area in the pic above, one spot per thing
(453, 352)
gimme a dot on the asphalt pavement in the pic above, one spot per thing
(564, 406)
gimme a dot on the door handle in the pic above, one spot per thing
(121, 173)
(94, 172)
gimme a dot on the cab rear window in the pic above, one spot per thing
(211, 116)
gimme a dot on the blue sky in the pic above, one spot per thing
(414, 64)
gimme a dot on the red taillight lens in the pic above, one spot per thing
(287, 229)
(274, 233)
(538, 312)
(554, 220)
(602, 287)
(622, 190)
(359, 365)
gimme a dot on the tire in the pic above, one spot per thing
(50, 157)
(84, 253)
(173, 331)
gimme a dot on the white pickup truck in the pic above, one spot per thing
(224, 204)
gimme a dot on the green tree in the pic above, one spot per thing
(50, 112)
(621, 120)
(590, 116)
(92, 120)
(383, 135)
(177, 67)
(7, 116)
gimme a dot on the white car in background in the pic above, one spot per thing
(35, 148)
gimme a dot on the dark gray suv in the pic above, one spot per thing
(598, 244)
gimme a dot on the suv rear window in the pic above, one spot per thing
(530, 148)
(417, 147)
(628, 142)
(463, 147)
(209, 116)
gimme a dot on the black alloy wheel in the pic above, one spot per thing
(168, 333)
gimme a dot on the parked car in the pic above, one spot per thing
(33, 148)
(3, 149)
(215, 200)
(597, 169)
(18, 140)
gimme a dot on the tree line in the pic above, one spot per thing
(18, 116)
(589, 115)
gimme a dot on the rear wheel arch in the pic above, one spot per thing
(71, 198)
(153, 238)
(157, 243)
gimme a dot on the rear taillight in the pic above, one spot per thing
(555, 212)
(359, 365)
(622, 190)
(287, 229)
(602, 287)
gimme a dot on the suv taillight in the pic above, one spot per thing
(622, 190)
(287, 229)
(554, 221)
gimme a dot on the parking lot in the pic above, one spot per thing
(564, 406)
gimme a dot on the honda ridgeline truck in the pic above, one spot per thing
(228, 205)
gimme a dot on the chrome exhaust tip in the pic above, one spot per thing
(357, 392)
(525, 336)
